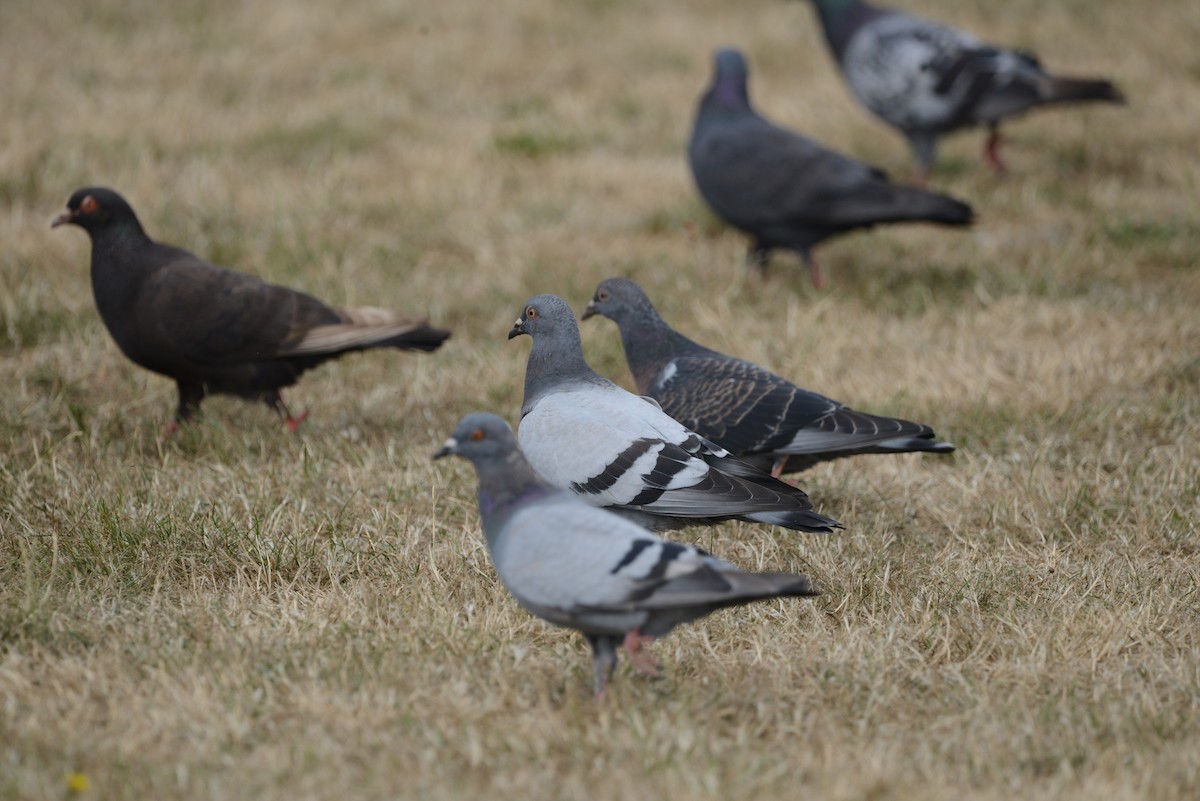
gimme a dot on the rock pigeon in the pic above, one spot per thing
(587, 569)
(582, 432)
(785, 190)
(213, 330)
(751, 412)
(928, 79)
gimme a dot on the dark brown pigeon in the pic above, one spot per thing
(216, 331)
(754, 414)
(785, 190)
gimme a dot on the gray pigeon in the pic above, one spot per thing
(758, 416)
(582, 432)
(928, 79)
(785, 190)
(587, 569)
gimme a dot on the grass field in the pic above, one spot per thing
(237, 612)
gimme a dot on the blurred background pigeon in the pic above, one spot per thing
(785, 190)
(927, 79)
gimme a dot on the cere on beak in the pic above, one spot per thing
(62, 218)
(517, 329)
(588, 310)
(449, 448)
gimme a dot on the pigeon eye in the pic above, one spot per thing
(530, 313)
(89, 205)
(602, 295)
(477, 435)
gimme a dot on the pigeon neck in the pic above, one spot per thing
(728, 94)
(650, 344)
(503, 485)
(552, 361)
(117, 272)
(840, 19)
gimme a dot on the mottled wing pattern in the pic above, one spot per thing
(912, 72)
(736, 403)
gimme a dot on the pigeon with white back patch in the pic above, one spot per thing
(758, 416)
(927, 79)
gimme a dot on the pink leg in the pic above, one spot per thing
(777, 468)
(635, 645)
(991, 151)
(170, 428)
(818, 275)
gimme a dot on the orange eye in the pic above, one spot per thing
(530, 313)
(477, 434)
(89, 205)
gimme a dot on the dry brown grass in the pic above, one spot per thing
(238, 612)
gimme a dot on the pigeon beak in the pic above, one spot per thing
(64, 217)
(449, 448)
(517, 329)
(589, 310)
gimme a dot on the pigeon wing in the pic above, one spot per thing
(214, 316)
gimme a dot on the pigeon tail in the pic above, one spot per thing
(367, 327)
(720, 588)
(796, 521)
(1083, 90)
(747, 586)
(911, 444)
(913, 203)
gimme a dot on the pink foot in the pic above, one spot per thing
(170, 428)
(293, 423)
(641, 659)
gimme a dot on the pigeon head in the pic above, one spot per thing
(505, 477)
(480, 437)
(619, 299)
(728, 90)
(545, 316)
(95, 208)
(556, 358)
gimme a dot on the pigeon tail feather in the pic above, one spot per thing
(1082, 90)
(366, 327)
